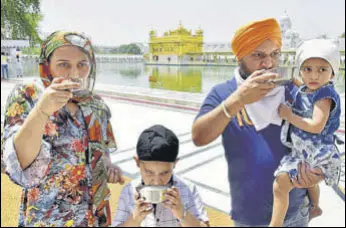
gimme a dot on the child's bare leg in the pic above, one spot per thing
(282, 187)
(314, 194)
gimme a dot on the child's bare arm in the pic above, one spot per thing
(316, 124)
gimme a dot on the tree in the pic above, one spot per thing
(130, 49)
(134, 49)
(343, 35)
(20, 20)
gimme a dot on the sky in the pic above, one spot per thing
(115, 22)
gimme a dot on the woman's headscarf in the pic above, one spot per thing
(96, 115)
(60, 39)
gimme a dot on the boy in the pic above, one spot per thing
(157, 152)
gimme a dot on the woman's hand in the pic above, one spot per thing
(56, 96)
(114, 173)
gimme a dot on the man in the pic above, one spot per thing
(244, 112)
(4, 66)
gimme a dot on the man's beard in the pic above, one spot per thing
(244, 70)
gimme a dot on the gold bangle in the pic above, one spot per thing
(225, 110)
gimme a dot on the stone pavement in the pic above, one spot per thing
(135, 109)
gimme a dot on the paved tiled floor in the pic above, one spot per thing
(130, 119)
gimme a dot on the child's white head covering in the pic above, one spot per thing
(319, 48)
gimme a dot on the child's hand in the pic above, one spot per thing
(285, 112)
(142, 210)
(173, 202)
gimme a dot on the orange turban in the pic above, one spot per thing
(250, 36)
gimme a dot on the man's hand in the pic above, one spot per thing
(256, 87)
(308, 177)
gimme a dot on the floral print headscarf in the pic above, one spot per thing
(60, 39)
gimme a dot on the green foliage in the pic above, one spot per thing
(20, 20)
(31, 51)
(131, 49)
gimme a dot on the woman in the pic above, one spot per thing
(58, 140)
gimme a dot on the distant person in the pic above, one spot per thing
(311, 124)
(4, 66)
(19, 67)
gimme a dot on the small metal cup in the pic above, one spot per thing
(285, 76)
(153, 194)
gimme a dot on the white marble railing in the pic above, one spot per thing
(101, 58)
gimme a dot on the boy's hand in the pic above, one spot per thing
(141, 211)
(285, 112)
(173, 202)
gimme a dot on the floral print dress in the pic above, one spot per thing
(318, 150)
(66, 185)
